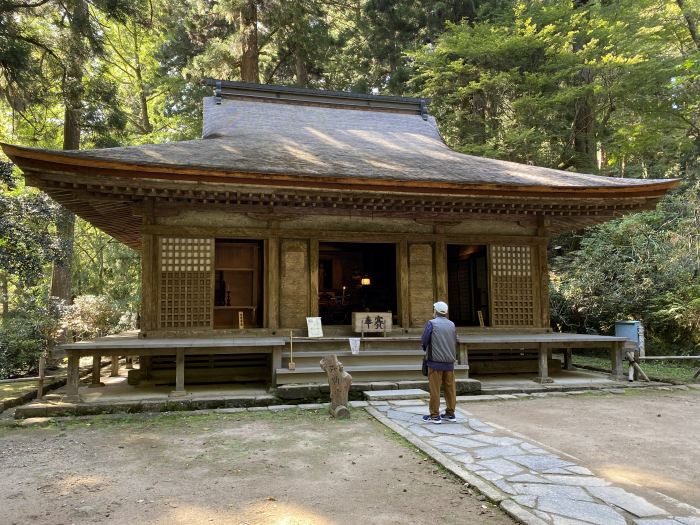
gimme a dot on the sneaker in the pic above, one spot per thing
(445, 417)
(434, 421)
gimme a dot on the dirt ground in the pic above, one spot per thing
(645, 441)
(281, 468)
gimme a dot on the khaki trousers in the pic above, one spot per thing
(436, 379)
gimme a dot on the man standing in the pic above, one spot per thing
(440, 339)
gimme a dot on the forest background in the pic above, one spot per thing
(599, 86)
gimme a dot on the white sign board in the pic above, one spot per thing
(376, 322)
(314, 326)
(354, 345)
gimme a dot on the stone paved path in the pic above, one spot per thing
(532, 484)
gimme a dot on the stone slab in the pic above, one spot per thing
(384, 385)
(511, 508)
(395, 394)
(552, 491)
(581, 481)
(497, 451)
(629, 502)
(501, 466)
(408, 403)
(541, 463)
(476, 399)
(584, 510)
(461, 442)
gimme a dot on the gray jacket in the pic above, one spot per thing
(440, 333)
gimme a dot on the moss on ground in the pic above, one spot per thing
(668, 372)
(15, 389)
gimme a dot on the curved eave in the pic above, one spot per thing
(53, 161)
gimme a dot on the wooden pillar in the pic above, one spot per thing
(115, 366)
(272, 265)
(616, 350)
(96, 362)
(73, 379)
(421, 279)
(568, 361)
(402, 276)
(463, 355)
(441, 270)
(543, 369)
(149, 295)
(179, 374)
(294, 283)
(542, 288)
(313, 278)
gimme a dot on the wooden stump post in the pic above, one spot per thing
(339, 382)
(42, 369)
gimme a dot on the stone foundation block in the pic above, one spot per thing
(384, 385)
(467, 386)
(287, 392)
(412, 385)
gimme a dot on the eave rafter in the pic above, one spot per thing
(116, 205)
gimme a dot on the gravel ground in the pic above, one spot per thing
(286, 468)
(644, 440)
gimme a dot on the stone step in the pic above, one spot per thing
(344, 353)
(360, 373)
(410, 358)
(334, 344)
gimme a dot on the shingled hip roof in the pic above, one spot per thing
(358, 146)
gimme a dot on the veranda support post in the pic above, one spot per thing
(616, 361)
(73, 379)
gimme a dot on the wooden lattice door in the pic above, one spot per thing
(512, 290)
(185, 282)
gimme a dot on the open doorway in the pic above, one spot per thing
(238, 284)
(355, 277)
(468, 285)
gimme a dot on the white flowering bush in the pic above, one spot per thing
(91, 316)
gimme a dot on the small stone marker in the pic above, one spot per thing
(339, 382)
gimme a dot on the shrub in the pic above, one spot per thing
(25, 334)
(91, 316)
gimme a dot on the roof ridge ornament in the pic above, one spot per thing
(316, 97)
(424, 109)
(217, 93)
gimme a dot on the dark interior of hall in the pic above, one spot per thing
(355, 277)
(468, 286)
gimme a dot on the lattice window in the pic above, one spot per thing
(511, 279)
(185, 282)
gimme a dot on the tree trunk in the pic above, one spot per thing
(249, 42)
(4, 291)
(72, 97)
(146, 126)
(302, 72)
(692, 26)
(585, 143)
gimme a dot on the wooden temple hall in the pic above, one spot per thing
(299, 203)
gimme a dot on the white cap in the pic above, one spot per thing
(440, 307)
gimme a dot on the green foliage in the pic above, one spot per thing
(25, 242)
(91, 316)
(644, 266)
(102, 266)
(26, 333)
(508, 79)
